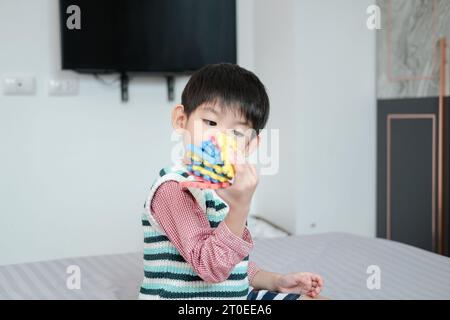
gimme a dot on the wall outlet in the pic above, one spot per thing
(19, 85)
(63, 86)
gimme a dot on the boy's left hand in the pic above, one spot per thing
(301, 283)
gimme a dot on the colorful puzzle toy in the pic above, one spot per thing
(211, 163)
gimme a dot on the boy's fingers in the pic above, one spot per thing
(320, 281)
(316, 278)
(242, 167)
(239, 169)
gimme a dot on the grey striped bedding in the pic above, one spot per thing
(342, 260)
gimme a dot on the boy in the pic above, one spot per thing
(196, 242)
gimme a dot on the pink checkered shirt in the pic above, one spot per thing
(212, 252)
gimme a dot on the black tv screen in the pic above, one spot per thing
(155, 36)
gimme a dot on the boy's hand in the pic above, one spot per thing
(301, 283)
(239, 195)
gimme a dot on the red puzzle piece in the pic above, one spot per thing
(203, 184)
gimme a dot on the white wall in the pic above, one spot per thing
(318, 60)
(274, 62)
(75, 171)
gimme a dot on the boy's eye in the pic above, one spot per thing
(210, 123)
(237, 133)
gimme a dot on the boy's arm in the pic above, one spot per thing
(297, 282)
(261, 279)
(212, 252)
(253, 268)
(238, 197)
(264, 280)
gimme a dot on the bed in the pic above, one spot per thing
(342, 259)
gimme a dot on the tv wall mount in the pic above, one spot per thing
(125, 80)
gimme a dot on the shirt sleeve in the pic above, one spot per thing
(212, 252)
(253, 268)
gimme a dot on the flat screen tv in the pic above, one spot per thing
(165, 37)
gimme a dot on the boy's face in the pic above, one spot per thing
(208, 120)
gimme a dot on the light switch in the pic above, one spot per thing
(63, 86)
(19, 85)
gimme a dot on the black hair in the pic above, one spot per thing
(230, 86)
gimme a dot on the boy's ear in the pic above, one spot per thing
(179, 117)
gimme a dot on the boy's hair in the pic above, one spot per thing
(230, 86)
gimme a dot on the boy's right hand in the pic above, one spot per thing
(239, 195)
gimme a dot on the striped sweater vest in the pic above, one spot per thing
(167, 275)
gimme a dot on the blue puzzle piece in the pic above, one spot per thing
(199, 152)
(210, 151)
